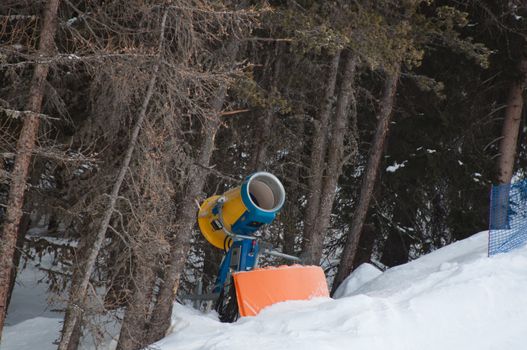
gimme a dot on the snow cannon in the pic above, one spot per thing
(230, 222)
(241, 211)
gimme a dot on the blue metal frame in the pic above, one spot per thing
(247, 260)
(241, 232)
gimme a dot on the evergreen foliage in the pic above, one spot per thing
(250, 77)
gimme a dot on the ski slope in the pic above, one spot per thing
(453, 298)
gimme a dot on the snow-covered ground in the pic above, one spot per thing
(453, 298)
(31, 323)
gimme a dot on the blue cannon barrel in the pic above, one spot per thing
(263, 195)
(242, 210)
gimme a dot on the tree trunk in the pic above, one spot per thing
(78, 291)
(187, 214)
(25, 146)
(369, 177)
(366, 244)
(266, 120)
(79, 257)
(511, 127)
(335, 155)
(147, 256)
(334, 164)
(317, 165)
(133, 329)
(292, 213)
(180, 242)
(23, 227)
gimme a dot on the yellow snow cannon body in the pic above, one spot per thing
(241, 210)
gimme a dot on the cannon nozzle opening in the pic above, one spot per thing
(266, 192)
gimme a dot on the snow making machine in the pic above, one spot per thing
(229, 222)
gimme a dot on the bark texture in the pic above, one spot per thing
(266, 120)
(317, 165)
(335, 161)
(369, 178)
(25, 146)
(134, 326)
(511, 127)
(293, 207)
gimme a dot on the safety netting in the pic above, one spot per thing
(508, 217)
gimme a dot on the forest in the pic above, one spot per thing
(386, 121)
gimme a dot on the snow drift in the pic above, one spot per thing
(453, 298)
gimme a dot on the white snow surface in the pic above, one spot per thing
(39, 333)
(31, 323)
(453, 298)
(362, 275)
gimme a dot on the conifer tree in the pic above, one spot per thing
(25, 147)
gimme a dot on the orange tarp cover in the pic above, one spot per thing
(259, 288)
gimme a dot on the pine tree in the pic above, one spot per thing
(25, 147)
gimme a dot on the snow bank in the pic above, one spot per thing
(362, 275)
(453, 298)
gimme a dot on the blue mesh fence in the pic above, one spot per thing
(508, 217)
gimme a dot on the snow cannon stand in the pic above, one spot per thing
(229, 222)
